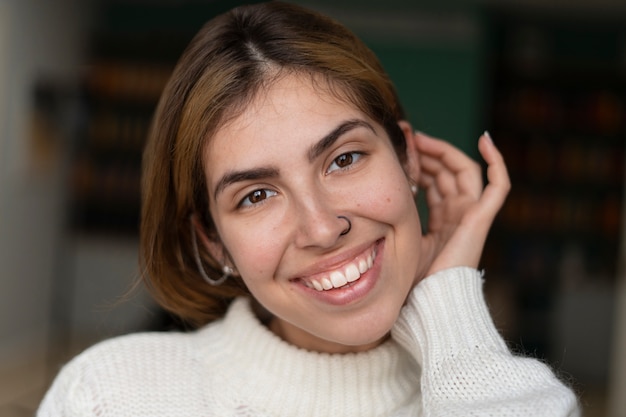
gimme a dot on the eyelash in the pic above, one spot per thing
(355, 157)
(245, 202)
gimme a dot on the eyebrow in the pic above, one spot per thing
(232, 177)
(328, 140)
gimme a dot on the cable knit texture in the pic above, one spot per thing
(445, 359)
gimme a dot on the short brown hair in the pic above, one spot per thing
(223, 68)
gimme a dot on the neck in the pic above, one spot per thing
(304, 340)
(283, 379)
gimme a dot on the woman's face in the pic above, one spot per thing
(278, 176)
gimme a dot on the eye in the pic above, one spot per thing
(256, 197)
(344, 161)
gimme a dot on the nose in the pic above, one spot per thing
(319, 224)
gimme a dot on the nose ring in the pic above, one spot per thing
(347, 229)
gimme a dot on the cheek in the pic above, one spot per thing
(387, 195)
(254, 248)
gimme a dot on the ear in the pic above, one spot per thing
(214, 246)
(412, 163)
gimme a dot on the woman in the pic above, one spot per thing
(279, 215)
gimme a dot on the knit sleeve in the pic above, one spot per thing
(467, 369)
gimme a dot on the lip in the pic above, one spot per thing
(353, 291)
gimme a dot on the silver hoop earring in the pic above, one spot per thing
(347, 229)
(227, 270)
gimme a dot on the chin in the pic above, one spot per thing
(367, 344)
(366, 335)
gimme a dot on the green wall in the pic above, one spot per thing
(434, 52)
(440, 88)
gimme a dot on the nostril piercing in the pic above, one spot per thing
(347, 229)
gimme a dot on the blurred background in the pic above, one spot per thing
(79, 80)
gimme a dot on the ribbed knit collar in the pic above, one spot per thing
(272, 377)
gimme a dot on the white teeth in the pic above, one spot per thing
(326, 283)
(363, 266)
(352, 273)
(317, 285)
(338, 279)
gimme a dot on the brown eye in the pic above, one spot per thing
(256, 197)
(344, 160)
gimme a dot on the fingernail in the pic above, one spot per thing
(488, 136)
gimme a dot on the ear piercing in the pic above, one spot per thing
(413, 186)
(227, 270)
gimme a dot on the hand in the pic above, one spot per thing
(461, 212)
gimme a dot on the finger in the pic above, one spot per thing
(470, 181)
(446, 157)
(433, 198)
(438, 186)
(450, 156)
(431, 164)
(428, 184)
(446, 184)
(499, 183)
(425, 180)
(468, 174)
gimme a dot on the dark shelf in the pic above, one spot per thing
(557, 111)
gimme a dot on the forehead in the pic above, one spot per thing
(289, 112)
(289, 93)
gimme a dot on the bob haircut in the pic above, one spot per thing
(234, 57)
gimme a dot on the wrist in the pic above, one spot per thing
(446, 313)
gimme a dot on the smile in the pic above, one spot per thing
(344, 276)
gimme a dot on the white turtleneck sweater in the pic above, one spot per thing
(445, 358)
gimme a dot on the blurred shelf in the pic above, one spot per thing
(557, 111)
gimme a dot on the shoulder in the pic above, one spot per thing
(156, 374)
(137, 349)
(144, 369)
(129, 358)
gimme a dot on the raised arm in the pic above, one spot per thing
(467, 368)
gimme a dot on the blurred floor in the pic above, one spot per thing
(24, 382)
(21, 388)
(594, 402)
